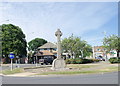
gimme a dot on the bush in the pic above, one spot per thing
(70, 61)
(80, 61)
(87, 60)
(114, 60)
(95, 60)
(67, 61)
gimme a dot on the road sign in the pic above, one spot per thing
(12, 55)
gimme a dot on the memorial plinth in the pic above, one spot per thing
(58, 63)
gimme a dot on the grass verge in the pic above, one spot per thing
(14, 71)
(109, 69)
(80, 66)
(66, 72)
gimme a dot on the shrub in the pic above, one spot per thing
(67, 61)
(72, 61)
(87, 60)
(114, 60)
(80, 61)
(95, 60)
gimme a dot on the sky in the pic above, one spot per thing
(88, 20)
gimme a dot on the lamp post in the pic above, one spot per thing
(104, 32)
(17, 63)
(28, 46)
(36, 57)
(1, 41)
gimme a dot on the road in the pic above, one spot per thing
(107, 78)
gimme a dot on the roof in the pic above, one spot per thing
(38, 54)
(44, 53)
(54, 52)
(101, 48)
(48, 45)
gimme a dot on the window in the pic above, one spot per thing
(55, 49)
(45, 49)
(48, 48)
(98, 49)
(104, 49)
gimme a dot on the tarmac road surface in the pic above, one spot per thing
(106, 78)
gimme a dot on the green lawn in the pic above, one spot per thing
(67, 72)
(8, 72)
(109, 69)
(80, 66)
(77, 70)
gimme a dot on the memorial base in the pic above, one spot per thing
(58, 64)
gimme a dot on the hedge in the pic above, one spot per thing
(114, 60)
(80, 61)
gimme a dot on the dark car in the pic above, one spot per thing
(48, 61)
(41, 61)
(100, 58)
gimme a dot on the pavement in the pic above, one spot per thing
(8, 66)
(21, 74)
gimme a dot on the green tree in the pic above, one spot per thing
(112, 43)
(13, 40)
(76, 47)
(35, 43)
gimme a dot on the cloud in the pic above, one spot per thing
(44, 18)
(90, 18)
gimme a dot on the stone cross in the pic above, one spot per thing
(58, 33)
(58, 63)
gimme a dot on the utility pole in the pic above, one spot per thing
(28, 51)
(104, 32)
(36, 57)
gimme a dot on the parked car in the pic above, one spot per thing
(46, 61)
(41, 61)
(100, 58)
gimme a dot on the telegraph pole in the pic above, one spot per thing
(104, 32)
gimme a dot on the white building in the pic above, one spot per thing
(101, 51)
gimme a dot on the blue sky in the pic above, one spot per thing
(87, 20)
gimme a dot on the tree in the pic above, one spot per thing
(13, 40)
(112, 43)
(35, 43)
(76, 47)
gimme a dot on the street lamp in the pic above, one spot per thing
(28, 45)
(36, 57)
(4, 20)
(17, 63)
(105, 51)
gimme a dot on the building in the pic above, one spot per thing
(49, 47)
(47, 52)
(101, 51)
(98, 51)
